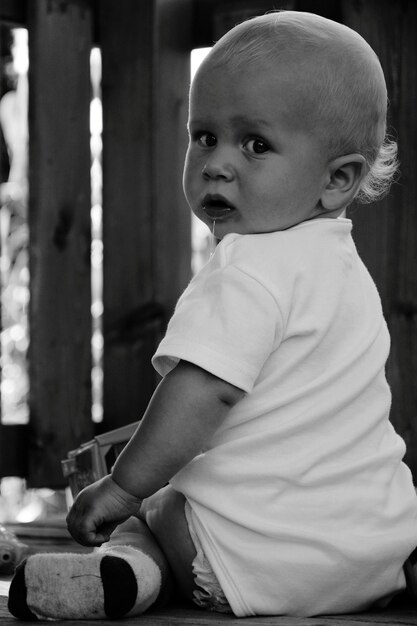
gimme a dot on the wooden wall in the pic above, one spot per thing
(146, 227)
(386, 232)
(146, 224)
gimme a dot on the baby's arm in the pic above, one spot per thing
(184, 412)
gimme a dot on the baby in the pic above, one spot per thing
(265, 477)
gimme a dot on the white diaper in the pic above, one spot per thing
(209, 596)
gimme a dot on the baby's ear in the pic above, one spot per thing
(345, 176)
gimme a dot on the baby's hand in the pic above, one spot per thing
(98, 509)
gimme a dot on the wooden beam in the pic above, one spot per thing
(146, 225)
(126, 36)
(14, 440)
(386, 232)
(171, 214)
(60, 242)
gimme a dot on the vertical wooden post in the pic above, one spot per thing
(172, 215)
(60, 35)
(126, 36)
(146, 231)
(386, 232)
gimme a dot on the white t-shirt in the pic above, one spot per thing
(300, 500)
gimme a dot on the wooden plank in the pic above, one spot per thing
(59, 220)
(145, 230)
(13, 450)
(126, 43)
(403, 317)
(183, 615)
(172, 216)
(386, 232)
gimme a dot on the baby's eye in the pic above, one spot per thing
(207, 140)
(257, 146)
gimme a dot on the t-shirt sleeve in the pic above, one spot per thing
(227, 323)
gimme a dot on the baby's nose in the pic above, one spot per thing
(218, 166)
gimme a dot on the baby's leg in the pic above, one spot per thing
(124, 577)
(164, 514)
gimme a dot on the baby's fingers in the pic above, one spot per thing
(104, 532)
(86, 534)
(83, 528)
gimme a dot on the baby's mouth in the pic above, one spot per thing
(217, 207)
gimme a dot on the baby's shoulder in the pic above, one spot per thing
(261, 252)
(287, 247)
(241, 248)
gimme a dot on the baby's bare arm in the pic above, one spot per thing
(186, 409)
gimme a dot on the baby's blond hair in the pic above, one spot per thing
(341, 89)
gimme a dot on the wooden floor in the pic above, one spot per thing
(41, 539)
(187, 616)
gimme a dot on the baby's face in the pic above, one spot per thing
(253, 165)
